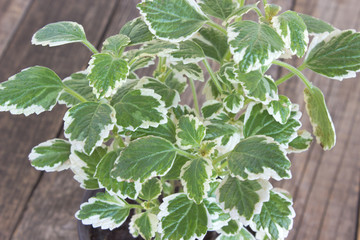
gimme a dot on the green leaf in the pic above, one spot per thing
(275, 219)
(137, 31)
(218, 217)
(218, 8)
(156, 48)
(181, 218)
(291, 27)
(174, 173)
(104, 210)
(231, 228)
(52, 155)
(151, 189)
(281, 109)
(107, 74)
(315, 25)
(335, 55)
(169, 96)
(213, 43)
(253, 45)
(242, 199)
(144, 224)
(172, 20)
(211, 108)
(166, 131)
(33, 90)
(190, 70)
(259, 157)
(301, 143)
(239, 12)
(122, 189)
(138, 62)
(195, 177)
(259, 122)
(125, 88)
(177, 82)
(84, 167)
(187, 52)
(141, 108)
(225, 135)
(77, 82)
(323, 126)
(242, 235)
(115, 44)
(190, 132)
(87, 125)
(59, 33)
(257, 86)
(153, 155)
(234, 102)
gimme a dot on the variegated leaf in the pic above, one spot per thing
(137, 31)
(144, 224)
(190, 132)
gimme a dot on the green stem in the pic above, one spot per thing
(259, 13)
(295, 71)
(169, 71)
(219, 159)
(218, 27)
(135, 206)
(196, 103)
(241, 2)
(90, 46)
(75, 94)
(289, 75)
(185, 154)
(212, 75)
(264, 2)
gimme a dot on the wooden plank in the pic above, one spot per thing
(23, 133)
(11, 14)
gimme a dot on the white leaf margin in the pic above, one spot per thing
(179, 130)
(133, 228)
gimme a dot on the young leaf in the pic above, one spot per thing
(234, 102)
(257, 86)
(153, 155)
(115, 44)
(242, 199)
(120, 188)
(33, 90)
(315, 26)
(104, 210)
(195, 176)
(107, 73)
(50, 156)
(259, 157)
(211, 108)
(78, 83)
(190, 132)
(137, 62)
(242, 235)
(151, 189)
(181, 218)
(59, 33)
(172, 20)
(168, 95)
(177, 81)
(231, 228)
(213, 43)
(190, 70)
(84, 167)
(259, 122)
(301, 143)
(253, 45)
(87, 125)
(174, 173)
(281, 109)
(218, 217)
(137, 31)
(141, 108)
(323, 126)
(156, 48)
(335, 55)
(187, 52)
(291, 27)
(218, 8)
(275, 219)
(144, 224)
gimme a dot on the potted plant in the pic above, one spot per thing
(173, 171)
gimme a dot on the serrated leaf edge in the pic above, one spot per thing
(133, 228)
(178, 130)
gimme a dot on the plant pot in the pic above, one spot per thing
(87, 232)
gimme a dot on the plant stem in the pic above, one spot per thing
(75, 94)
(185, 154)
(218, 27)
(167, 74)
(241, 2)
(259, 13)
(135, 206)
(196, 103)
(219, 159)
(295, 71)
(289, 75)
(90, 46)
(212, 75)
(264, 2)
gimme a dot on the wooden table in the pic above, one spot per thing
(36, 205)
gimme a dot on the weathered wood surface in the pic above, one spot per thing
(33, 205)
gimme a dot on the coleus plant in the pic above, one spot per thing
(183, 170)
